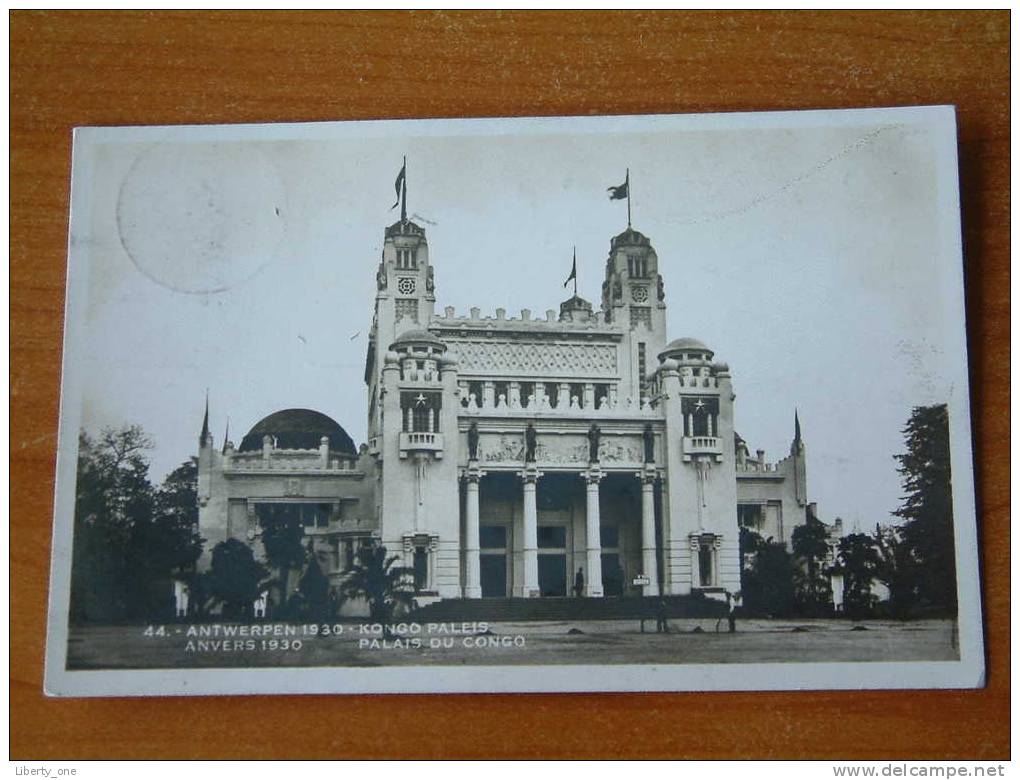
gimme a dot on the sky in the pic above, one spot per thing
(814, 252)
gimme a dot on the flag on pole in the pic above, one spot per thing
(399, 183)
(573, 273)
(622, 191)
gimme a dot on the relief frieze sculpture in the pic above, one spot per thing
(508, 448)
(534, 358)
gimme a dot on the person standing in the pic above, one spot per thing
(579, 582)
(661, 623)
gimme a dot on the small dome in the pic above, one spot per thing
(681, 345)
(418, 336)
(668, 365)
(298, 429)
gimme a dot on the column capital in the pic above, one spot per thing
(648, 474)
(473, 472)
(593, 474)
(530, 473)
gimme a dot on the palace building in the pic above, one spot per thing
(515, 456)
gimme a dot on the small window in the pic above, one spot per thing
(492, 537)
(348, 556)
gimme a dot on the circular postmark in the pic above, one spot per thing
(201, 218)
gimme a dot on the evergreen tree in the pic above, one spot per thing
(859, 563)
(766, 581)
(897, 569)
(927, 507)
(811, 548)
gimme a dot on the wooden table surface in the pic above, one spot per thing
(113, 68)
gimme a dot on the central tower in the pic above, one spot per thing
(634, 299)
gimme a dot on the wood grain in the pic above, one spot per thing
(70, 68)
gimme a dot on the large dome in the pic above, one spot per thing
(298, 429)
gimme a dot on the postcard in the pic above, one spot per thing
(636, 403)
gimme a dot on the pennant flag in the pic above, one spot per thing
(399, 183)
(573, 272)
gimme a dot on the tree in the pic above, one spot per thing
(766, 583)
(168, 545)
(177, 520)
(113, 497)
(235, 579)
(897, 569)
(927, 507)
(314, 589)
(383, 585)
(859, 563)
(282, 540)
(811, 548)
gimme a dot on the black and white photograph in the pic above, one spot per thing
(670, 402)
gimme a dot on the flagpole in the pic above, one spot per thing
(403, 195)
(575, 270)
(628, 198)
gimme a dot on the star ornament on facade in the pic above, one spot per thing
(420, 400)
(699, 407)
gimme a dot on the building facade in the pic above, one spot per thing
(520, 456)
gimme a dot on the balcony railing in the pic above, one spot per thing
(420, 441)
(702, 445)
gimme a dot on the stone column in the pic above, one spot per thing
(649, 556)
(472, 561)
(593, 540)
(514, 395)
(530, 477)
(563, 396)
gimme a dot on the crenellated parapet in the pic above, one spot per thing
(551, 322)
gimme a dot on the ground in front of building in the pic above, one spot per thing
(532, 643)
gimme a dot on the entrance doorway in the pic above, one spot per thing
(493, 568)
(552, 560)
(612, 575)
(552, 574)
(493, 560)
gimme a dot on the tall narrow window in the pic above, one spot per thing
(705, 568)
(421, 568)
(552, 392)
(642, 381)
